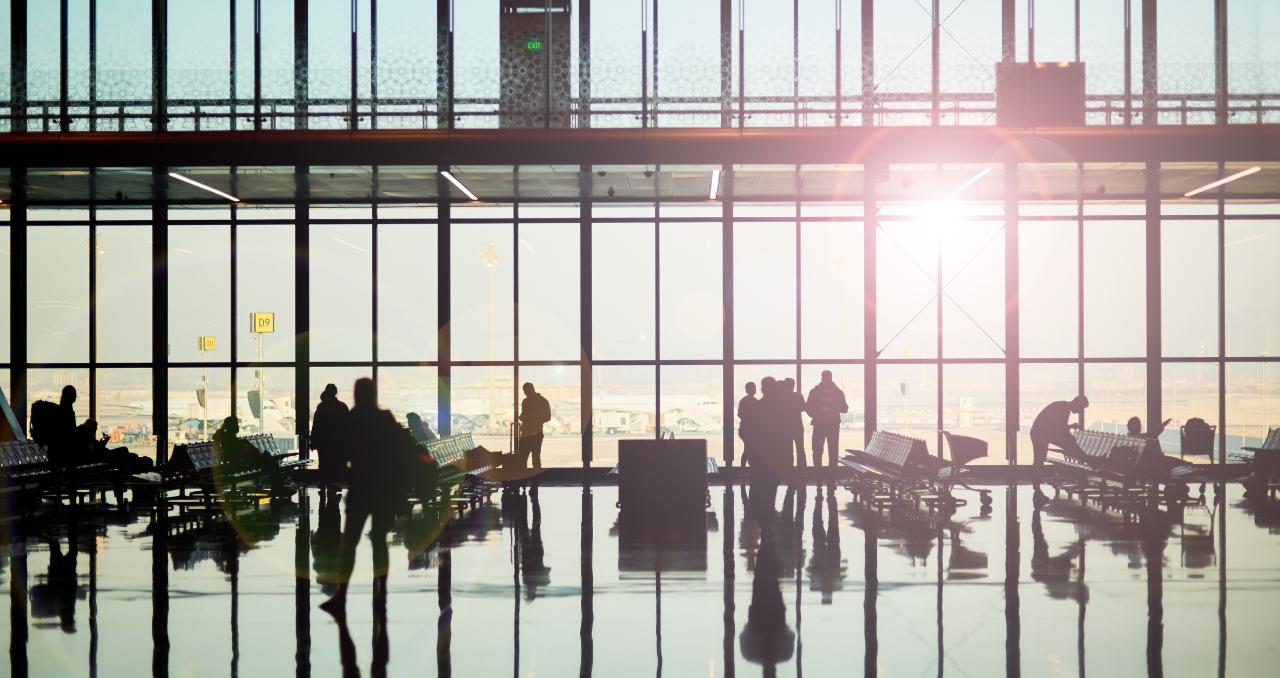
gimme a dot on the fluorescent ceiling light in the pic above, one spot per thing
(972, 180)
(199, 185)
(454, 180)
(1225, 180)
(715, 184)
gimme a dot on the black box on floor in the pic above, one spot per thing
(1040, 94)
(662, 477)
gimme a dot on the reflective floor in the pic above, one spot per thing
(548, 583)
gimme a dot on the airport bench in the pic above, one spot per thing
(1121, 469)
(193, 466)
(1264, 464)
(896, 469)
(459, 473)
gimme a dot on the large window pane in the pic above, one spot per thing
(189, 418)
(483, 401)
(764, 290)
(46, 384)
(1186, 66)
(1048, 289)
(1189, 295)
(200, 53)
(973, 288)
(907, 401)
(329, 59)
(199, 292)
(1253, 403)
(1115, 308)
(767, 67)
(406, 50)
(688, 61)
(900, 27)
(906, 289)
(1189, 390)
(624, 402)
(124, 55)
(1253, 307)
(561, 385)
(476, 48)
(410, 389)
(265, 284)
(969, 46)
(124, 409)
(341, 292)
(58, 305)
(1251, 51)
(276, 415)
(549, 295)
(690, 291)
(124, 293)
(622, 291)
(973, 405)
(615, 63)
(692, 397)
(1116, 392)
(407, 292)
(5, 309)
(831, 307)
(482, 294)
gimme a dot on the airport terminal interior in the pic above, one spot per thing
(696, 337)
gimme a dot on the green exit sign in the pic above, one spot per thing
(533, 44)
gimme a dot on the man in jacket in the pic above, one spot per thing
(825, 405)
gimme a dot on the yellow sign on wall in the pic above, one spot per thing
(262, 323)
(205, 344)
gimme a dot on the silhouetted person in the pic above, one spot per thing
(239, 456)
(771, 452)
(1134, 428)
(826, 568)
(793, 407)
(825, 405)
(326, 542)
(57, 595)
(54, 426)
(419, 429)
(1053, 426)
(534, 412)
(533, 565)
(328, 437)
(748, 411)
(381, 452)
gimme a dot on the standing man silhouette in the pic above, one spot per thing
(793, 406)
(328, 437)
(534, 412)
(747, 420)
(825, 405)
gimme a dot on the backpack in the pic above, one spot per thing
(44, 422)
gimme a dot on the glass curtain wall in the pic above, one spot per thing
(615, 308)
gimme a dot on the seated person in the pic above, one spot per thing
(1134, 428)
(419, 429)
(239, 455)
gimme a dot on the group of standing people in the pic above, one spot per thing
(772, 426)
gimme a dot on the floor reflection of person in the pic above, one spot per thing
(326, 542)
(535, 412)
(56, 596)
(380, 448)
(826, 567)
(766, 638)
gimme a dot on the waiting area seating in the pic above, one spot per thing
(460, 467)
(896, 470)
(198, 467)
(1121, 469)
(1264, 464)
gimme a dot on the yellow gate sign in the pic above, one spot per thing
(262, 323)
(205, 343)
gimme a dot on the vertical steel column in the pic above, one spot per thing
(18, 294)
(726, 324)
(1080, 236)
(1008, 32)
(868, 62)
(302, 307)
(93, 295)
(1012, 315)
(373, 288)
(742, 66)
(64, 115)
(444, 75)
(1077, 27)
(839, 58)
(231, 71)
(257, 58)
(353, 107)
(1128, 63)
(234, 344)
(1149, 70)
(584, 63)
(160, 310)
(655, 62)
(869, 351)
(1222, 321)
(1031, 30)
(644, 64)
(795, 63)
(1220, 84)
(1154, 299)
(726, 63)
(18, 74)
(444, 313)
(93, 65)
(301, 64)
(159, 65)
(373, 64)
(935, 81)
(585, 335)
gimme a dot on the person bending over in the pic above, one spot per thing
(1053, 426)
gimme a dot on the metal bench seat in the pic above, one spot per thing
(898, 469)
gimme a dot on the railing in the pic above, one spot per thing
(814, 111)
